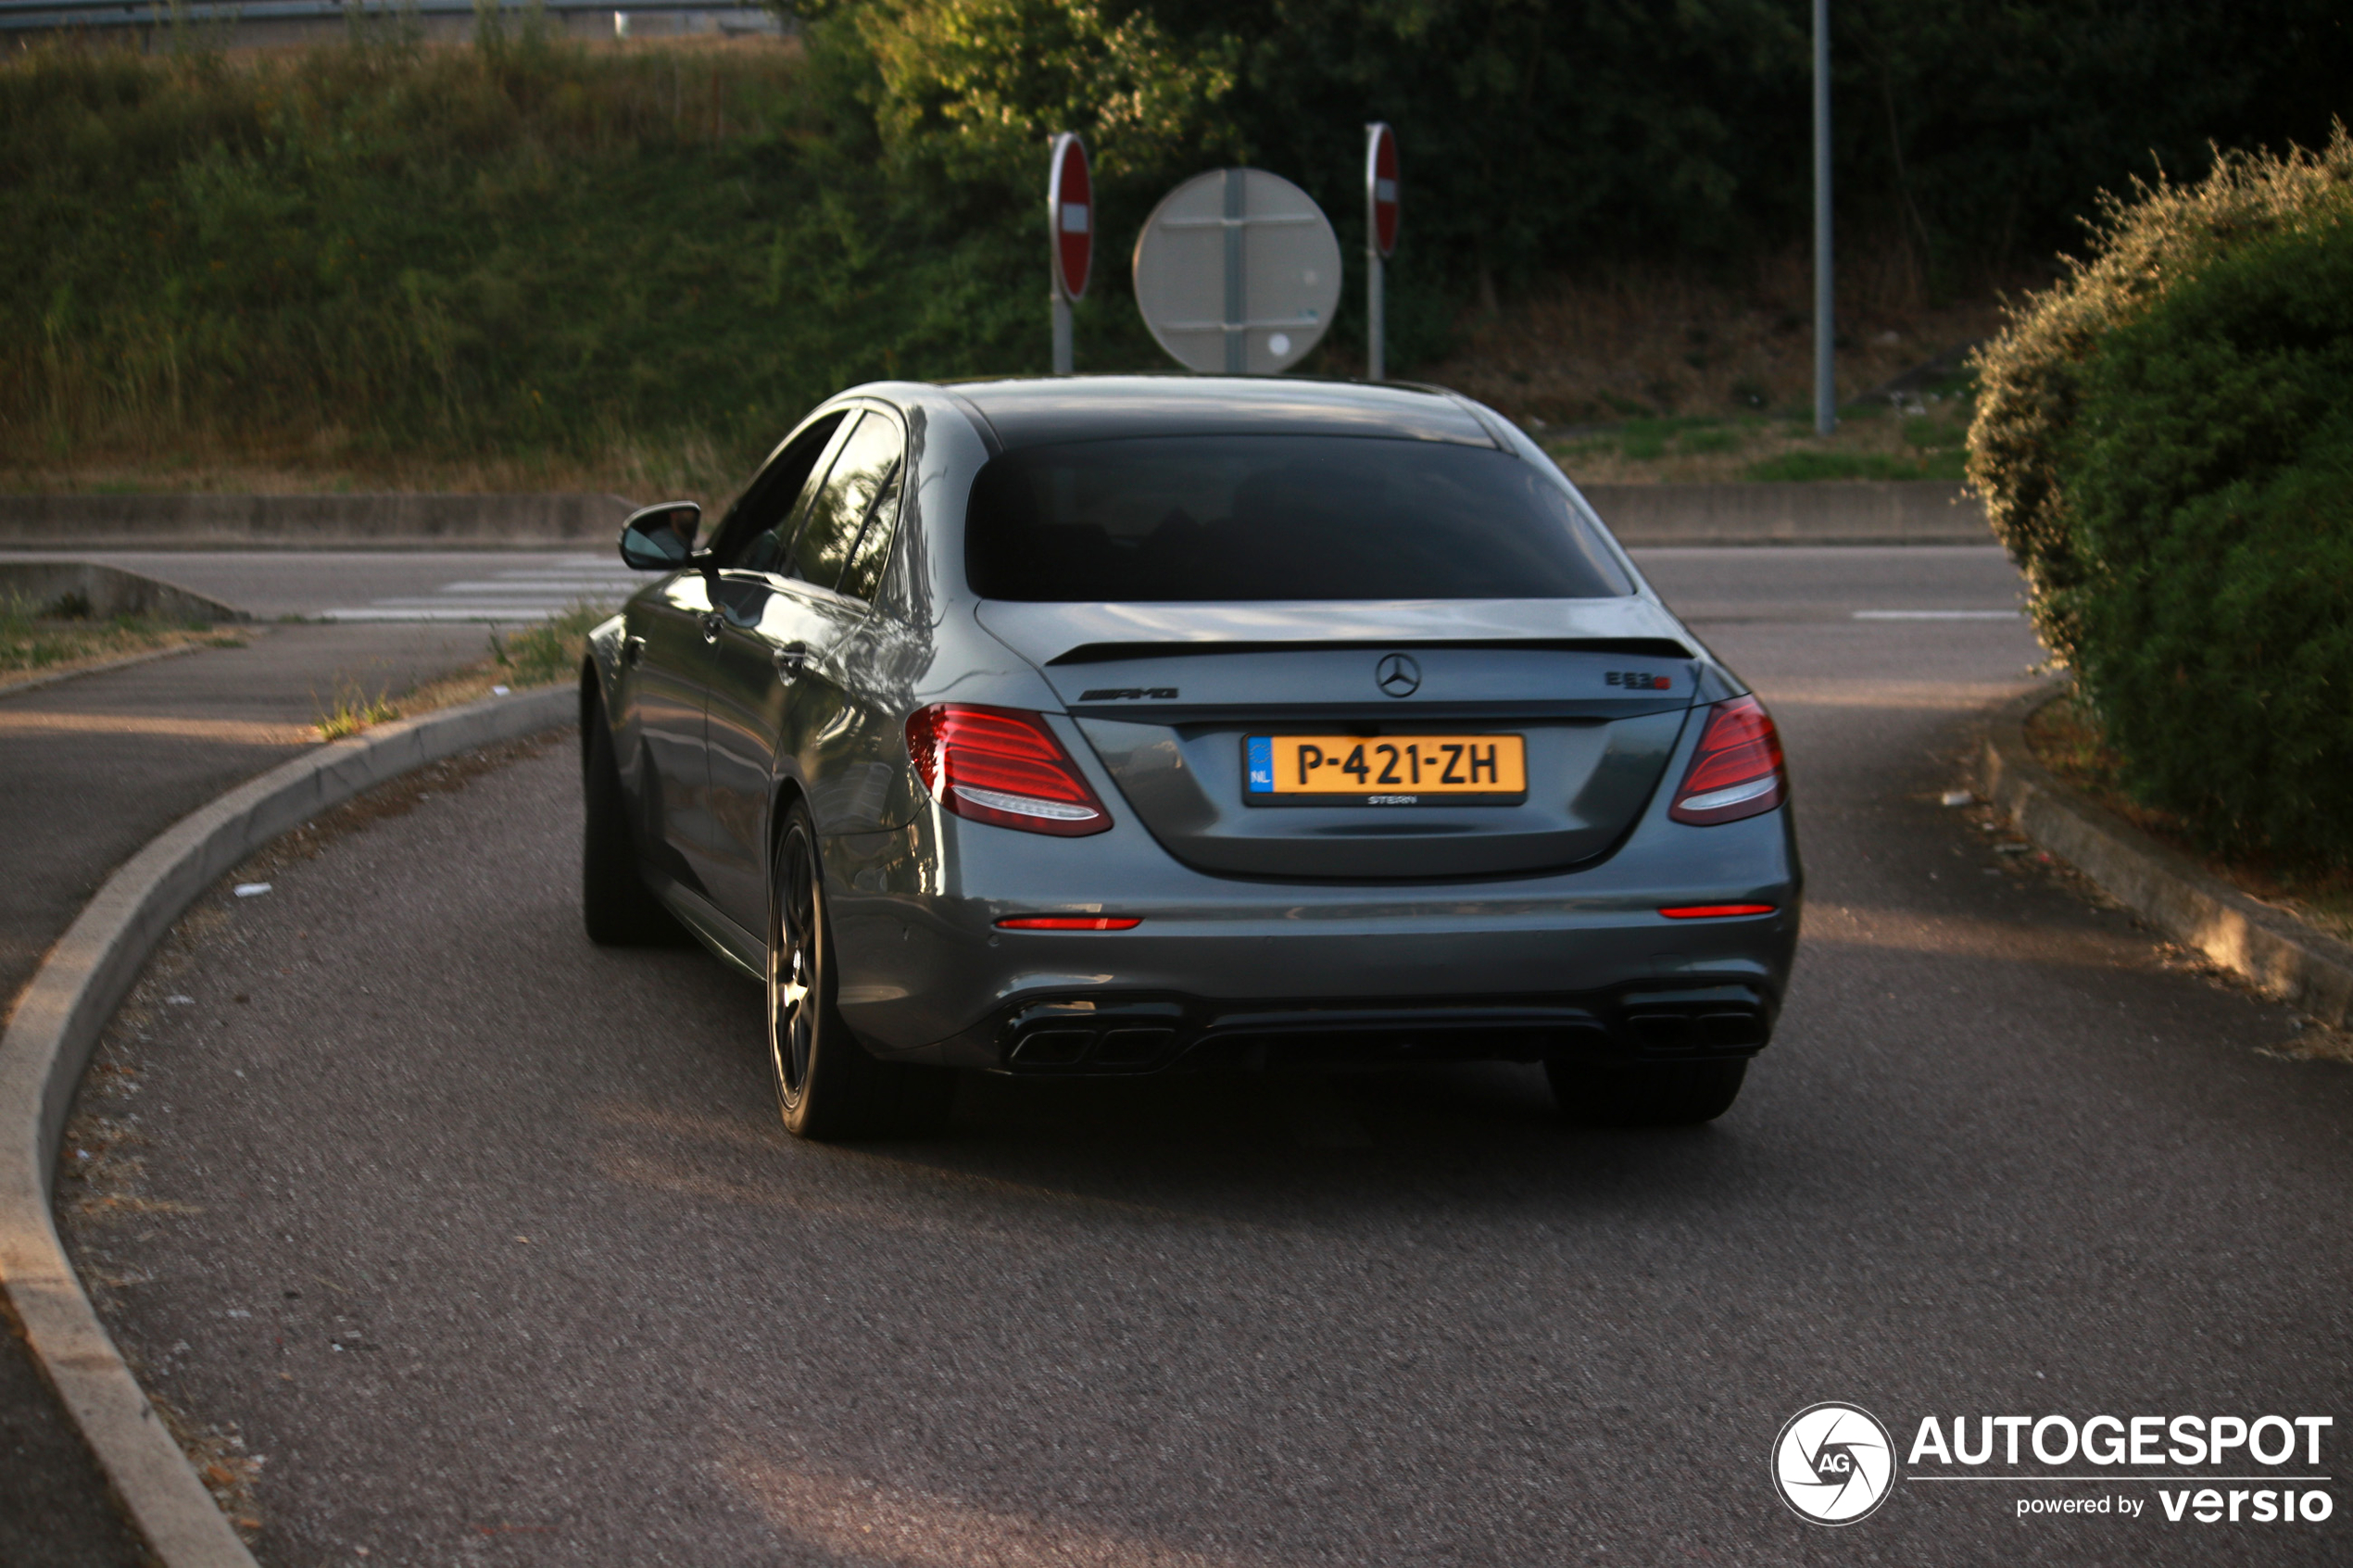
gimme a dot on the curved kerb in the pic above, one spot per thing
(2277, 954)
(56, 1027)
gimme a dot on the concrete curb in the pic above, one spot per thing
(110, 591)
(395, 520)
(34, 683)
(2277, 953)
(56, 1027)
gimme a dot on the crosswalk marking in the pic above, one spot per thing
(523, 595)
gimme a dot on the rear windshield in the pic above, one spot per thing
(1277, 516)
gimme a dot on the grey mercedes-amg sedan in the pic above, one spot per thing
(1123, 725)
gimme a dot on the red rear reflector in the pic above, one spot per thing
(1716, 911)
(1736, 772)
(1001, 765)
(1071, 923)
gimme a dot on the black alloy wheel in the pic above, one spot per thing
(827, 1083)
(797, 977)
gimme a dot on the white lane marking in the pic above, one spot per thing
(519, 589)
(527, 594)
(504, 615)
(1939, 614)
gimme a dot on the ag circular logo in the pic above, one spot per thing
(1833, 1464)
(1398, 674)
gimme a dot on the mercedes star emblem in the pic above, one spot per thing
(1398, 674)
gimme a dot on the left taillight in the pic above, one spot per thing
(1737, 769)
(1003, 766)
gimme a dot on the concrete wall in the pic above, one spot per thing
(306, 522)
(107, 592)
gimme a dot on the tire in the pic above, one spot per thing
(828, 1086)
(1645, 1093)
(618, 908)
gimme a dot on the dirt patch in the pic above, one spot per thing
(1631, 343)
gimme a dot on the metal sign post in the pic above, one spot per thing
(1380, 241)
(1825, 382)
(1070, 226)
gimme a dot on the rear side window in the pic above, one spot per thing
(871, 553)
(1277, 516)
(758, 527)
(838, 512)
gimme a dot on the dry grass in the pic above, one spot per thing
(542, 654)
(74, 654)
(42, 640)
(2068, 740)
(693, 469)
(1633, 343)
(1924, 438)
(352, 711)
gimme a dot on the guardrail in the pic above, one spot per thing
(57, 16)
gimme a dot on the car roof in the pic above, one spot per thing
(1034, 412)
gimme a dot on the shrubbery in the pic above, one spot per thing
(532, 250)
(2165, 440)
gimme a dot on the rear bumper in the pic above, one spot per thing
(1096, 1036)
(1575, 964)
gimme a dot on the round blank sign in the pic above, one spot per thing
(1238, 271)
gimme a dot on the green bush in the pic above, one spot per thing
(2208, 478)
(2030, 376)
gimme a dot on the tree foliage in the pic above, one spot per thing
(528, 247)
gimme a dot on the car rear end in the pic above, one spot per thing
(1323, 745)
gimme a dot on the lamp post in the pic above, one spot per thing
(1825, 331)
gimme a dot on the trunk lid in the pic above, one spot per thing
(1170, 696)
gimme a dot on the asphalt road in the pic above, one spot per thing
(489, 1242)
(91, 769)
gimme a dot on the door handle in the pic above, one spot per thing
(711, 622)
(791, 659)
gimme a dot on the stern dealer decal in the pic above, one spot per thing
(1835, 1464)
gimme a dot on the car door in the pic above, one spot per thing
(678, 658)
(666, 664)
(776, 696)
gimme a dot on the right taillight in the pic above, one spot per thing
(1002, 765)
(1736, 772)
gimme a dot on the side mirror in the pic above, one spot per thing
(660, 538)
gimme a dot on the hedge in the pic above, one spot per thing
(2166, 445)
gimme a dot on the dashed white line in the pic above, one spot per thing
(1938, 614)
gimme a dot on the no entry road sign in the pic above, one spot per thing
(1381, 239)
(1380, 189)
(1070, 205)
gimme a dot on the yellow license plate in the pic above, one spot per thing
(1388, 770)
